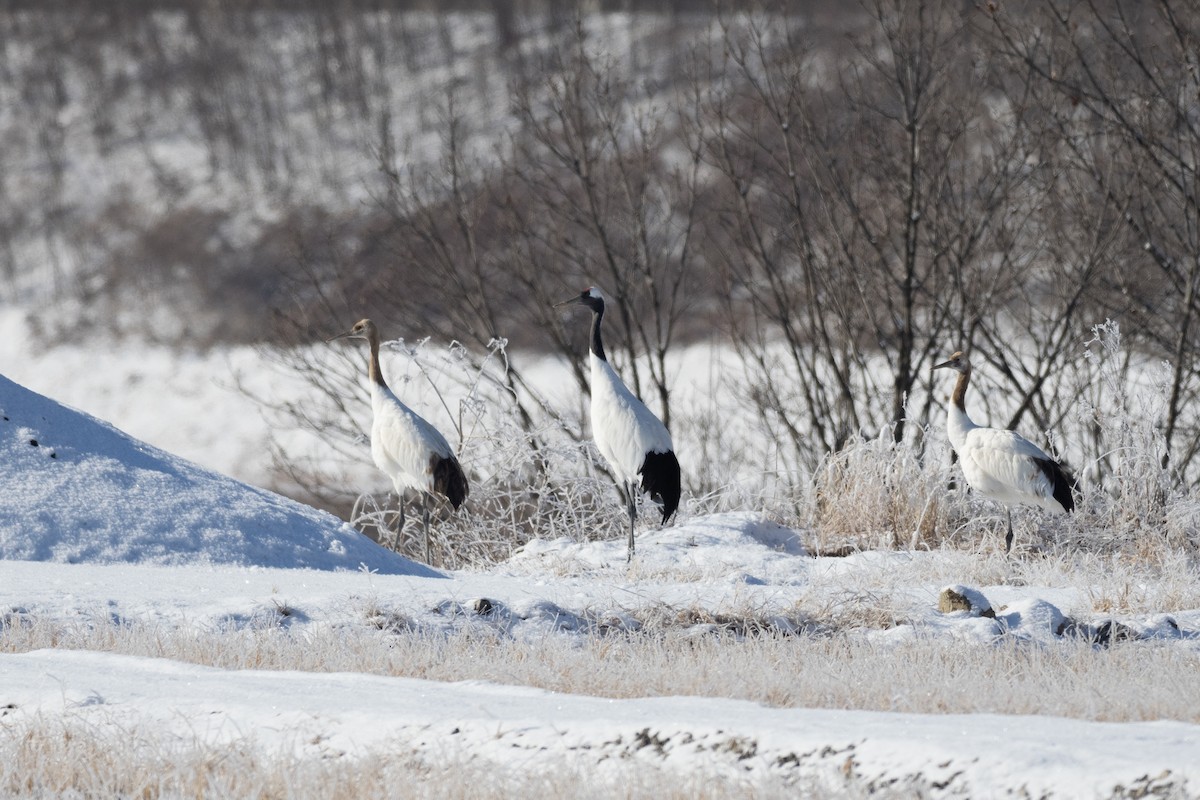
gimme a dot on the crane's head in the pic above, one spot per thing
(363, 329)
(958, 362)
(591, 297)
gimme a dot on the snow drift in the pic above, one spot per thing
(77, 490)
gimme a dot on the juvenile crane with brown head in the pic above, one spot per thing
(1001, 464)
(406, 447)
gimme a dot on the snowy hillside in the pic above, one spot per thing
(78, 490)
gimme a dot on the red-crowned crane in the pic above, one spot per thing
(632, 440)
(409, 450)
(1002, 464)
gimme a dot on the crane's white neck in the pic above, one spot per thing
(601, 368)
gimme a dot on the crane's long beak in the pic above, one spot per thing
(568, 302)
(339, 336)
(944, 364)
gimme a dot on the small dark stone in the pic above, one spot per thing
(483, 606)
(33, 442)
(1112, 631)
(1105, 635)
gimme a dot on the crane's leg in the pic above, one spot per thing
(631, 498)
(1009, 537)
(399, 521)
(425, 524)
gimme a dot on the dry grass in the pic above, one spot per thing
(880, 494)
(71, 759)
(884, 664)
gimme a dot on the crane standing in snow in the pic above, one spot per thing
(405, 446)
(1002, 464)
(632, 440)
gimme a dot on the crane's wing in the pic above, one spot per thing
(405, 445)
(1004, 441)
(1008, 467)
(624, 428)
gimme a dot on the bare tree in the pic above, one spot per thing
(602, 198)
(859, 210)
(1121, 81)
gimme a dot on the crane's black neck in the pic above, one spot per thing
(597, 346)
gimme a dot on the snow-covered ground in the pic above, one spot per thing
(348, 714)
(100, 532)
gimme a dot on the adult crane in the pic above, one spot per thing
(408, 449)
(1002, 464)
(632, 440)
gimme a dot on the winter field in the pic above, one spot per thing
(168, 631)
(834, 620)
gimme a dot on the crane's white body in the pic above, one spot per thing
(999, 464)
(409, 450)
(633, 441)
(404, 445)
(624, 429)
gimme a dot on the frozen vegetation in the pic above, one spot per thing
(795, 214)
(148, 647)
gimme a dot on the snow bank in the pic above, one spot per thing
(77, 490)
(337, 715)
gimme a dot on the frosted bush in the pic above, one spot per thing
(529, 478)
(878, 493)
(1133, 500)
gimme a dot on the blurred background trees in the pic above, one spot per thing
(840, 194)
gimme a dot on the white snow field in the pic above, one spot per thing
(115, 553)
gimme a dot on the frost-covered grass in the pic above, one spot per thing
(691, 652)
(54, 759)
(544, 661)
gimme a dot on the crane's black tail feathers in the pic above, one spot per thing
(449, 480)
(660, 479)
(1062, 481)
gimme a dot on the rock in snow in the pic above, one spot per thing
(963, 598)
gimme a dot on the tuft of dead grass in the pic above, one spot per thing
(876, 493)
